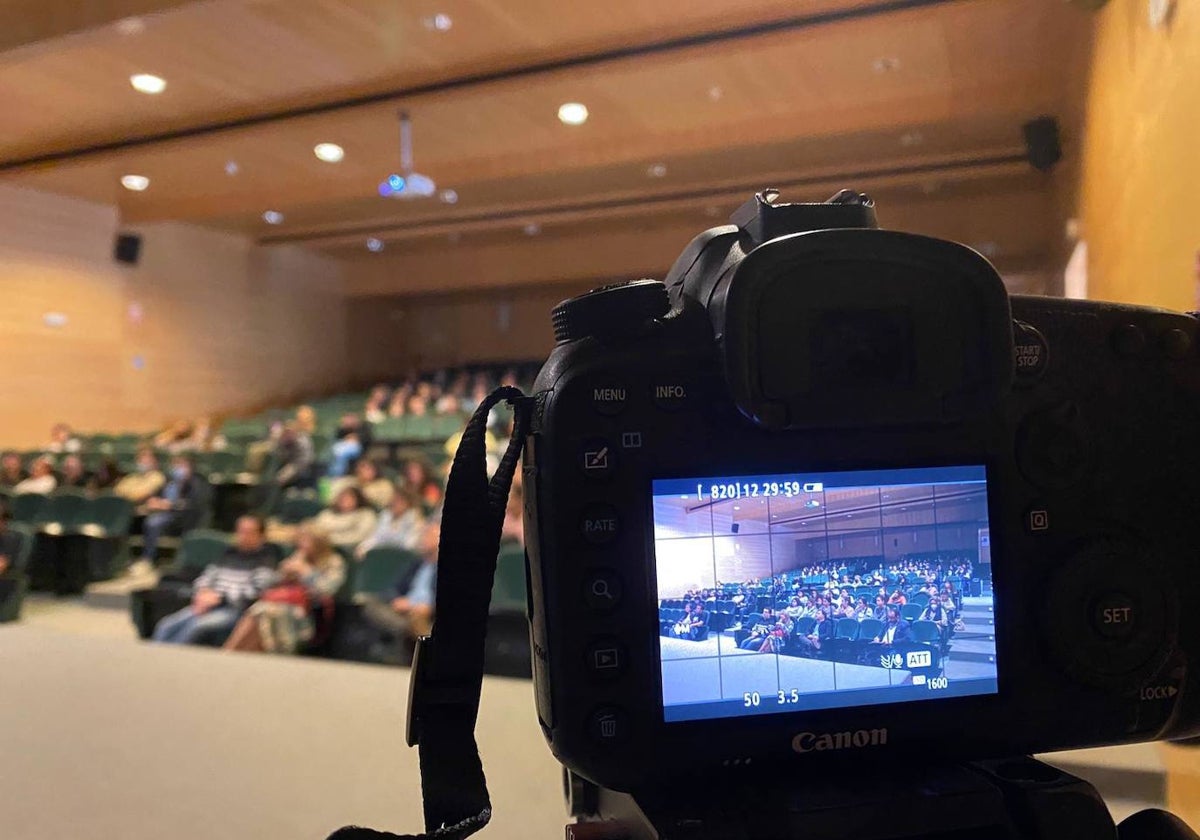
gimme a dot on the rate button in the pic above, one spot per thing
(599, 524)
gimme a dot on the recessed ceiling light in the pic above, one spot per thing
(273, 217)
(137, 183)
(656, 170)
(374, 245)
(231, 167)
(329, 152)
(532, 229)
(131, 26)
(715, 93)
(148, 83)
(448, 197)
(885, 64)
(911, 138)
(440, 22)
(572, 113)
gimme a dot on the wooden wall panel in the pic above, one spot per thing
(1140, 168)
(389, 336)
(225, 325)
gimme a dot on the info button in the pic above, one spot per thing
(1114, 615)
(599, 524)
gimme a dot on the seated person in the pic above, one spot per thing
(895, 630)
(399, 526)
(12, 472)
(418, 477)
(145, 482)
(62, 440)
(41, 478)
(224, 589)
(283, 620)
(352, 439)
(73, 474)
(177, 509)
(408, 612)
(295, 457)
(377, 489)
(692, 626)
(898, 599)
(794, 608)
(106, 475)
(879, 611)
(348, 520)
(10, 546)
(862, 610)
(175, 437)
(939, 615)
(822, 631)
(760, 631)
(204, 438)
(375, 409)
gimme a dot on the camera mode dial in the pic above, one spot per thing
(610, 311)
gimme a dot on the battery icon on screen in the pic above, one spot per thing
(814, 487)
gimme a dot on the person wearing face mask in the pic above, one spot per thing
(145, 482)
(177, 509)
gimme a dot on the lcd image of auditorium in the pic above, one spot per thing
(841, 594)
(262, 262)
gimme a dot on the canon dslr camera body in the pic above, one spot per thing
(830, 490)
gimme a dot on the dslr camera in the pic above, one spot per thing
(830, 494)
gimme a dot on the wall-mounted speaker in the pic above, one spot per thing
(128, 248)
(1042, 145)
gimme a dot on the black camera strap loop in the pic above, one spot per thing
(447, 671)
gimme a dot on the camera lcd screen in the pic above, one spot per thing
(790, 592)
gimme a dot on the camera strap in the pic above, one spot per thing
(447, 670)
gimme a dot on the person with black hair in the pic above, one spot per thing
(12, 471)
(224, 589)
(895, 631)
(349, 520)
(178, 508)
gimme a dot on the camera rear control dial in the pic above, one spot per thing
(1108, 618)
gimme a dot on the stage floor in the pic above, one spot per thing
(108, 738)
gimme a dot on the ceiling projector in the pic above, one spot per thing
(406, 183)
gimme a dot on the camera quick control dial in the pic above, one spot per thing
(610, 311)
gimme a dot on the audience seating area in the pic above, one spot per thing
(75, 535)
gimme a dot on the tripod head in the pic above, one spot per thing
(1010, 799)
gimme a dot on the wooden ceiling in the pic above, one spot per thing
(693, 103)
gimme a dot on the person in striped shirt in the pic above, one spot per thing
(224, 589)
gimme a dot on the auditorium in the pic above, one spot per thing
(262, 262)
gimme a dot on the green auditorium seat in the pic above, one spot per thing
(421, 428)
(392, 430)
(508, 588)
(921, 599)
(198, 549)
(447, 425)
(28, 507)
(869, 628)
(228, 468)
(104, 526)
(911, 612)
(10, 608)
(295, 509)
(63, 512)
(927, 632)
(378, 571)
